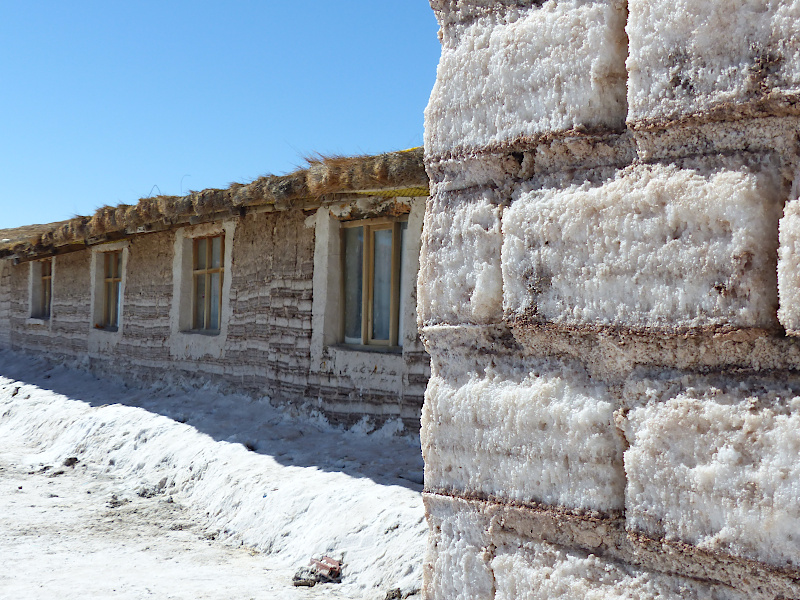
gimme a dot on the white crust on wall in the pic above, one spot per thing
(523, 431)
(528, 71)
(673, 246)
(460, 278)
(687, 58)
(789, 268)
(716, 466)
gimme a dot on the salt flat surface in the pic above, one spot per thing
(166, 500)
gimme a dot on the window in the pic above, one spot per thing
(112, 289)
(109, 263)
(207, 275)
(41, 288)
(373, 297)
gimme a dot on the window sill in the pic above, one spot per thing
(366, 348)
(108, 329)
(37, 320)
(205, 332)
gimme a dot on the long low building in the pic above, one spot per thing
(300, 288)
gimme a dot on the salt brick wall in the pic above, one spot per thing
(267, 349)
(614, 397)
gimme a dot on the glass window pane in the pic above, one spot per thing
(401, 288)
(45, 310)
(109, 304)
(200, 250)
(216, 252)
(199, 301)
(107, 265)
(47, 268)
(117, 301)
(118, 264)
(213, 320)
(353, 276)
(381, 283)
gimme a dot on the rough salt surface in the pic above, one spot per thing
(687, 57)
(716, 468)
(459, 279)
(456, 560)
(666, 245)
(789, 268)
(527, 71)
(525, 433)
(302, 489)
(541, 571)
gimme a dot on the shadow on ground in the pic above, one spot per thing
(297, 441)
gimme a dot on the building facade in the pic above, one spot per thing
(299, 288)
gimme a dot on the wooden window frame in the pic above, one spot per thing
(206, 273)
(46, 296)
(112, 288)
(368, 279)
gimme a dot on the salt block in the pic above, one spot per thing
(691, 58)
(673, 246)
(789, 268)
(457, 557)
(459, 278)
(523, 431)
(714, 464)
(522, 71)
(540, 571)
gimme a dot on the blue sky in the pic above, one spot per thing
(106, 102)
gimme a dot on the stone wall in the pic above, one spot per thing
(263, 348)
(608, 291)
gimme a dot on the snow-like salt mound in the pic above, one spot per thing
(307, 489)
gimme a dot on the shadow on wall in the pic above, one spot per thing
(381, 456)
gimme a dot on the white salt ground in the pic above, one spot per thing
(167, 501)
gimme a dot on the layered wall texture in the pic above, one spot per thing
(265, 344)
(608, 291)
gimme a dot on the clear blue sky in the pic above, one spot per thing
(107, 102)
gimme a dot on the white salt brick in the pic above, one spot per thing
(541, 571)
(690, 57)
(458, 553)
(789, 268)
(716, 467)
(459, 278)
(524, 71)
(525, 432)
(674, 246)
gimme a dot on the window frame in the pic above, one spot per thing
(207, 274)
(112, 289)
(370, 226)
(46, 297)
(40, 296)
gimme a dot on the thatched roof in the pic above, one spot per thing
(326, 180)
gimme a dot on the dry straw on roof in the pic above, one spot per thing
(324, 177)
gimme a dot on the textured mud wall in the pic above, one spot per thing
(5, 304)
(266, 350)
(608, 291)
(66, 332)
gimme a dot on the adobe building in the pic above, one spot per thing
(609, 293)
(300, 288)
